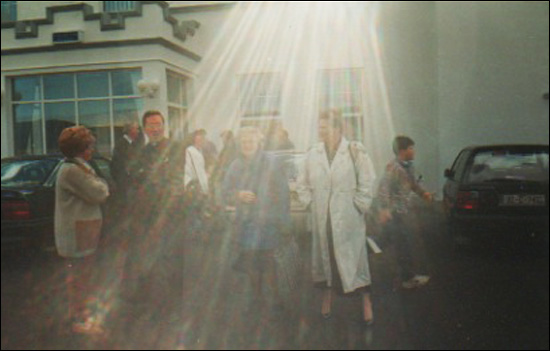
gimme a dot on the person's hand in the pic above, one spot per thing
(247, 197)
(384, 216)
(428, 197)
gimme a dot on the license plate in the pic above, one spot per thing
(523, 200)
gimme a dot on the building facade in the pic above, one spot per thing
(447, 74)
(98, 64)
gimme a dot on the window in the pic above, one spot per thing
(24, 173)
(178, 86)
(260, 95)
(341, 89)
(509, 165)
(45, 105)
(9, 11)
(119, 6)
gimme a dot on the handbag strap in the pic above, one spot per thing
(195, 169)
(354, 161)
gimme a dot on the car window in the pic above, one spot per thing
(26, 173)
(460, 165)
(509, 165)
(292, 162)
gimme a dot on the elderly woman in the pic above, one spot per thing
(337, 184)
(255, 185)
(78, 221)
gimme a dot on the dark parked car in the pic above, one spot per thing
(498, 189)
(28, 197)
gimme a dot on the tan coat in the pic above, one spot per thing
(78, 218)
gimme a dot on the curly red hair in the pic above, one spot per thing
(75, 140)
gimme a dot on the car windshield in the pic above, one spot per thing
(292, 161)
(26, 173)
(507, 165)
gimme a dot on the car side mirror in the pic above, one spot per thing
(449, 174)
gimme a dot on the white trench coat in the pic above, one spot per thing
(346, 192)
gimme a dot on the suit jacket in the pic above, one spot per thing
(123, 154)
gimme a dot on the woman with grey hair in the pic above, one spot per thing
(261, 195)
(78, 222)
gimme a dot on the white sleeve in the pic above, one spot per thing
(189, 172)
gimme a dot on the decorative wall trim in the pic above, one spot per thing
(108, 20)
(203, 8)
(105, 44)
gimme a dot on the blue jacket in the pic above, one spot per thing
(259, 225)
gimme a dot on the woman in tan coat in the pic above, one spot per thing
(78, 221)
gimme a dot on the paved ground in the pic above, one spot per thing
(494, 296)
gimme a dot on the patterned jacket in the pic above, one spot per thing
(397, 186)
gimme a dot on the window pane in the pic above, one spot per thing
(95, 116)
(341, 89)
(352, 128)
(125, 82)
(26, 89)
(58, 117)
(93, 85)
(119, 6)
(59, 86)
(28, 129)
(9, 11)
(179, 125)
(260, 94)
(174, 90)
(125, 111)
(183, 85)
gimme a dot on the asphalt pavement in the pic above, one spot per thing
(489, 296)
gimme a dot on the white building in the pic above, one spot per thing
(447, 74)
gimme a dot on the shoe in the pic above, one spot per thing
(88, 327)
(326, 315)
(326, 310)
(422, 279)
(368, 323)
(368, 318)
(416, 282)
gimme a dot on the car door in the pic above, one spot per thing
(44, 196)
(454, 180)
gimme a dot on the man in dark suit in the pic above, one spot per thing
(153, 272)
(123, 154)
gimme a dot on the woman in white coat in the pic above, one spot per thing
(337, 184)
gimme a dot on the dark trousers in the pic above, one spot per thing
(397, 233)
